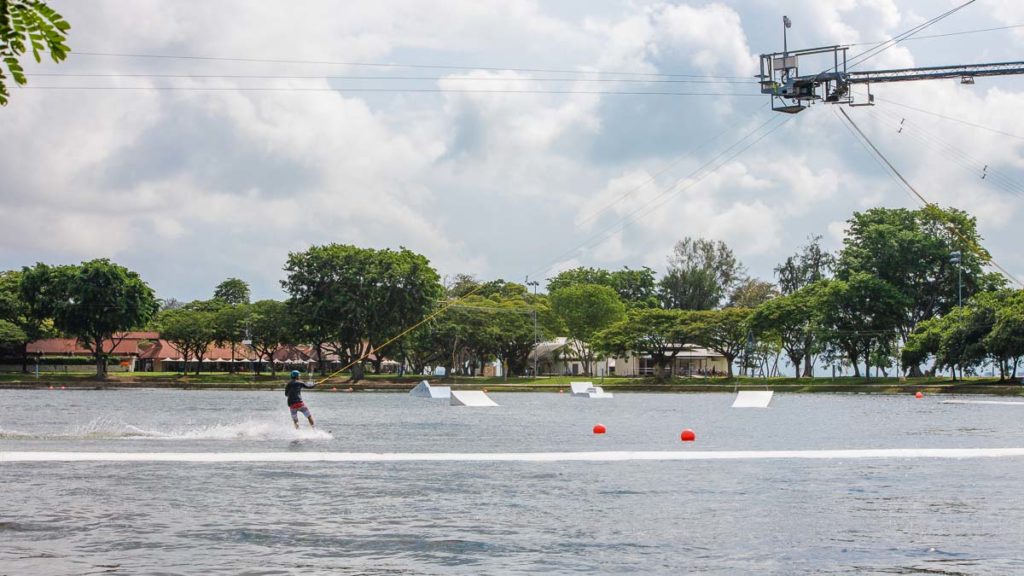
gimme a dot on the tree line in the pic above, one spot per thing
(906, 289)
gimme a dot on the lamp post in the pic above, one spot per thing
(535, 352)
(956, 258)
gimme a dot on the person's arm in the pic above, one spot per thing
(309, 384)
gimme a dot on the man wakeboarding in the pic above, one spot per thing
(293, 390)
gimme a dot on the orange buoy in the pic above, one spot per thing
(599, 429)
(687, 435)
(62, 388)
(561, 391)
(349, 389)
(919, 395)
(334, 388)
(51, 387)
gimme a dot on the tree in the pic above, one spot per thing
(94, 302)
(270, 328)
(585, 309)
(911, 251)
(860, 314)
(661, 334)
(806, 267)
(15, 311)
(725, 331)
(24, 25)
(230, 324)
(751, 293)
(1006, 339)
(792, 319)
(354, 300)
(636, 288)
(700, 275)
(11, 335)
(232, 291)
(190, 330)
(326, 284)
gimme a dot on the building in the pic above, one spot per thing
(557, 358)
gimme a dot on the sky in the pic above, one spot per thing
(277, 137)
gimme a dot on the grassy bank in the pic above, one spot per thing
(393, 383)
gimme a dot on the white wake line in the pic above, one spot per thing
(994, 402)
(216, 457)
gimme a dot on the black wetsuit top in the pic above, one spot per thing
(293, 390)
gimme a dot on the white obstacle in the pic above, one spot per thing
(474, 398)
(425, 390)
(588, 390)
(753, 399)
(580, 388)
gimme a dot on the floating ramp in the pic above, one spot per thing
(425, 390)
(588, 390)
(753, 399)
(474, 398)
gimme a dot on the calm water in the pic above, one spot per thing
(887, 516)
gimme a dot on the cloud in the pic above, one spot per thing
(190, 187)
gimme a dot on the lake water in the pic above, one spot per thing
(783, 516)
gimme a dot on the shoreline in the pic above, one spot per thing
(882, 386)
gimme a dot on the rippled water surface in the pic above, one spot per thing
(841, 516)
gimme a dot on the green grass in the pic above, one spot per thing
(392, 382)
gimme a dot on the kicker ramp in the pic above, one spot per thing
(473, 398)
(753, 399)
(588, 390)
(425, 390)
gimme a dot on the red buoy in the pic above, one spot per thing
(599, 429)
(687, 435)
(919, 395)
(334, 389)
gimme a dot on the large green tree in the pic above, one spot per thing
(912, 250)
(232, 291)
(861, 315)
(585, 309)
(660, 334)
(28, 25)
(353, 300)
(230, 327)
(270, 326)
(190, 330)
(95, 302)
(636, 288)
(1005, 341)
(400, 289)
(794, 321)
(701, 274)
(15, 311)
(725, 331)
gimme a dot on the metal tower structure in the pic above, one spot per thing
(791, 92)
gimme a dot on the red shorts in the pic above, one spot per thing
(297, 406)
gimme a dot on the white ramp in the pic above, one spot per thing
(580, 388)
(474, 398)
(753, 399)
(425, 390)
(588, 390)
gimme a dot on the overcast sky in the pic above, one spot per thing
(480, 172)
